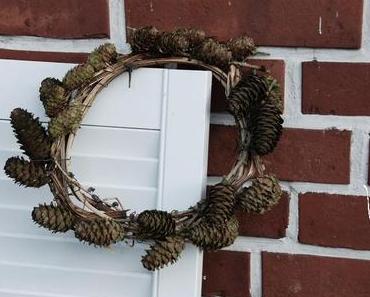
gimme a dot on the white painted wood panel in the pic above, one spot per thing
(113, 171)
(133, 145)
(111, 106)
(108, 171)
(108, 142)
(39, 279)
(20, 81)
(112, 144)
(184, 169)
(124, 106)
(11, 195)
(49, 253)
(100, 141)
(135, 198)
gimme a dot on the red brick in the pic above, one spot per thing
(276, 23)
(56, 19)
(277, 69)
(321, 156)
(222, 152)
(43, 56)
(307, 276)
(334, 220)
(225, 273)
(336, 88)
(271, 224)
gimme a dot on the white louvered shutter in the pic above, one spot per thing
(146, 144)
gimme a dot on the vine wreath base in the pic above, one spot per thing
(62, 180)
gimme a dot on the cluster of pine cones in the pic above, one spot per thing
(213, 224)
(192, 43)
(216, 226)
(255, 99)
(65, 117)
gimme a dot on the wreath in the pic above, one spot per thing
(253, 98)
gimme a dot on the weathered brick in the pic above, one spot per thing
(307, 276)
(305, 23)
(271, 224)
(225, 273)
(277, 69)
(336, 88)
(321, 156)
(222, 152)
(43, 56)
(334, 220)
(56, 19)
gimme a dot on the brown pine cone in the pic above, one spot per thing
(213, 237)
(247, 93)
(66, 122)
(173, 44)
(31, 134)
(26, 173)
(155, 224)
(102, 56)
(261, 196)
(241, 48)
(54, 218)
(53, 96)
(163, 252)
(220, 203)
(214, 53)
(144, 40)
(101, 232)
(78, 76)
(266, 128)
(256, 100)
(195, 37)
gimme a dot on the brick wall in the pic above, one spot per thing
(316, 242)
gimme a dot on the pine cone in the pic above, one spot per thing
(266, 128)
(53, 96)
(247, 93)
(78, 76)
(66, 122)
(241, 48)
(101, 232)
(144, 40)
(173, 44)
(54, 218)
(220, 204)
(31, 134)
(264, 193)
(25, 173)
(155, 224)
(194, 37)
(102, 56)
(256, 99)
(213, 237)
(214, 53)
(162, 253)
